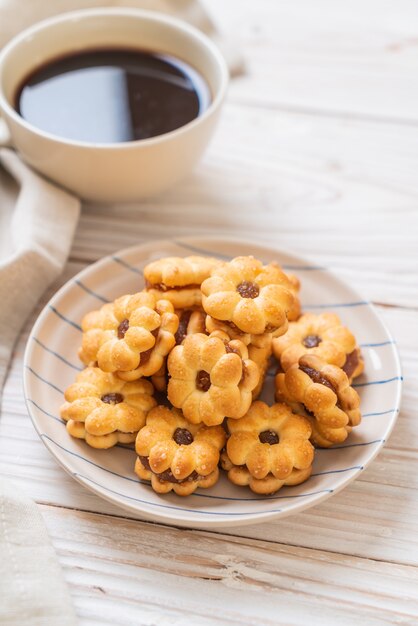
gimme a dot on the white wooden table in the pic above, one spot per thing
(317, 153)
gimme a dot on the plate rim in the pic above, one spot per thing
(165, 517)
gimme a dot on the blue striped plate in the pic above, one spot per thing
(51, 364)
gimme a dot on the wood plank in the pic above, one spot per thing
(129, 570)
(343, 193)
(373, 517)
(353, 59)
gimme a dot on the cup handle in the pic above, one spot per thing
(5, 137)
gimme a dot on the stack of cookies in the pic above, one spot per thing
(201, 337)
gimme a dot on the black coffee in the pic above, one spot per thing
(112, 96)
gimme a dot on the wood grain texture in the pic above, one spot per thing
(352, 60)
(312, 186)
(219, 579)
(316, 153)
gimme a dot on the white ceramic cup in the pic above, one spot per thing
(120, 171)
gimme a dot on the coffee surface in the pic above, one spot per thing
(112, 96)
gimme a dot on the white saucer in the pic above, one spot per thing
(51, 364)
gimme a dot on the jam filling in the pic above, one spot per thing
(145, 356)
(112, 398)
(269, 436)
(351, 363)
(317, 377)
(225, 427)
(203, 380)
(311, 341)
(168, 476)
(181, 333)
(308, 412)
(244, 373)
(247, 289)
(145, 462)
(122, 328)
(235, 328)
(183, 437)
(164, 287)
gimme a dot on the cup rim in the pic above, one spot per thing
(151, 16)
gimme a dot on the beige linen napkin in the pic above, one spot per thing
(36, 237)
(36, 232)
(32, 589)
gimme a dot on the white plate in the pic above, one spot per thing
(51, 364)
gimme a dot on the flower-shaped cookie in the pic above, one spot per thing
(268, 448)
(255, 298)
(322, 335)
(104, 410)
(211, 378)
(130, 336)
(323, 393)
(190, 321)
(176, 455)
(178, 279)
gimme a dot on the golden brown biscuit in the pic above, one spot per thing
(255, 298)
(130, 336)
(295, 310)
(176, 455)
(260, 352)
(104, 410)
(190, 321)
(229, 328)
(322, 392)
(261, 341)
(322, 335)
(268, 448)
(210, 378)
(160, 378)
(178, 279)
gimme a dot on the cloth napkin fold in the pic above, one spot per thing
(37, 234)
(32, 589)
(36, 230)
